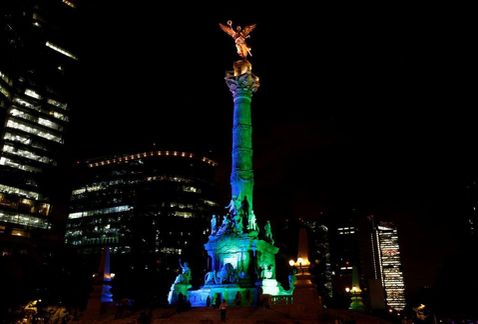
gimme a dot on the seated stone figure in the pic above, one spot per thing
(185, 276)
(210, 278)
(227, 274)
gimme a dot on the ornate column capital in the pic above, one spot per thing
(243, 85)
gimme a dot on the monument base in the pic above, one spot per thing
(272, 287)
(210, 295)
(176, 291)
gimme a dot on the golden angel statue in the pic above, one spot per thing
(239, 35)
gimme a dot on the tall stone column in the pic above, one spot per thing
(242, 87)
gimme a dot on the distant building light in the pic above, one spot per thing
(183, 214)
(23, 219)
(5, 92)
(5, 78)
(69, 4)
(57, 104)
(18, 232)
(61, 50)
(32, 94)
(19, 192)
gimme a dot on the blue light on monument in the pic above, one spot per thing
(242, 262)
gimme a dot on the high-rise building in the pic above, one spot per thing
(345, 255)
(387, 264)
(320, 256)
(37, 60)
(151, 208)
(373, 250)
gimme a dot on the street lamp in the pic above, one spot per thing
(356, 298)
(301, 263)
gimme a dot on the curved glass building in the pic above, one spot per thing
(151, 208)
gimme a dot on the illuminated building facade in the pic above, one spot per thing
(36, 63)
(320, 255)
(152, 206)
(387, 264)
(345, 255)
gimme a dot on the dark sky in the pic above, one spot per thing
(363, 107)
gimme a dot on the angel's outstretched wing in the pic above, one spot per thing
(248, 29)
(228, 30)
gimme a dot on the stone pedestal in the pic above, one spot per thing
(241, 268)
(233, 294)
(176, 290)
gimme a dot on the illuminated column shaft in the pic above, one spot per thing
(242, 174)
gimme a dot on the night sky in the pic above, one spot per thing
(359, 107)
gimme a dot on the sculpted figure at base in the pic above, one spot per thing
(210, 278)
(252, 222)
(267, 272)
(268, 230)
(226, 225)
(185, 276)
(227, 274)
(232, 207)
(239, 35)
(213, 224)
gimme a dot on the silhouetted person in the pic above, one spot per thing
(238, 299)
(180, 305)
(223, 308)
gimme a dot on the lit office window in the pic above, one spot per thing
(28, 154)
(23, 219)
(109, 210)
(5, 78)
(42, 121)
(25, 103)
(5, 92)
(69, 4)
(183, 214)
(33, 94)
(48, 123)
(34, 131)
(61, 50)
(24, 140)
(57, 104)
(58, 115)
(13, 164)
(19, 192)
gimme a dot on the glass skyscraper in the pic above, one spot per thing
(151, 208)
(387, 264)
(37, 61)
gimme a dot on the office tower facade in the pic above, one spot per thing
(37, 62)
(387, 264)
(345, 255)
(320, 256)
(151, 208)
